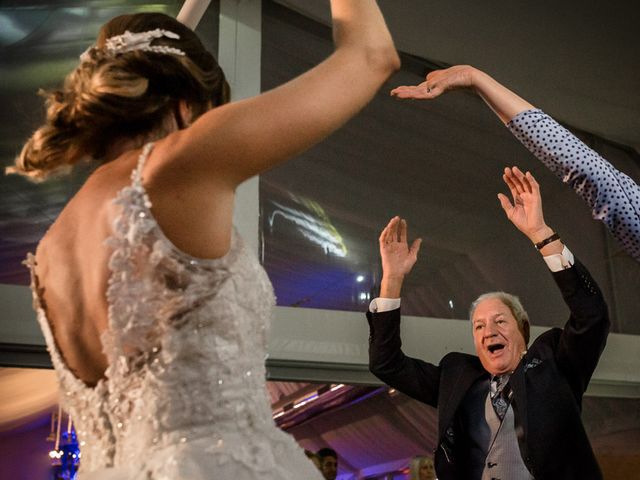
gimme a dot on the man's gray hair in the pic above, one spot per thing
(514, 305)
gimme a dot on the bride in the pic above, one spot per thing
(154, 312)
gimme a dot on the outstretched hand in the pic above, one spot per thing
(526, 210)
(397, 257)
(437, 83)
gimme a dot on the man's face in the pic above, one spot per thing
(329, 468)
(498, 341)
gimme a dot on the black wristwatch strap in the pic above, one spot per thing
(547, 241)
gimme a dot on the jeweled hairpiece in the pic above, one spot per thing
(129, 42)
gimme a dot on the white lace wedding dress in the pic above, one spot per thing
(184, 394)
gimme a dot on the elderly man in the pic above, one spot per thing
(512, 412)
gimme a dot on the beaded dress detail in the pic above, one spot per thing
(184, 394)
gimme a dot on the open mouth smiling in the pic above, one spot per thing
(496, 347)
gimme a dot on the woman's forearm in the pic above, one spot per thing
(504, 103)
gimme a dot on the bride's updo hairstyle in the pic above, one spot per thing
(123, 95)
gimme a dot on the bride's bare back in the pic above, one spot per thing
(72, 271)
(72, 258)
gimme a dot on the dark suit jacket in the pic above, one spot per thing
(547, 385)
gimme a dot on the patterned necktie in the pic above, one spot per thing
(499, 393)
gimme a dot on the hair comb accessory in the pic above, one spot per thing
(129, 42)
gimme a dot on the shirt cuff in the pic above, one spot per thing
(560, 261)
(379, 305)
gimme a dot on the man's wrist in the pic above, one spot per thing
(546, 241)
(540, 234)
(391, 285)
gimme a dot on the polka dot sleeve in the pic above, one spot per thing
(614, 198)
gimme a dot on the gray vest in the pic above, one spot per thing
(504, 461)
(493, 445)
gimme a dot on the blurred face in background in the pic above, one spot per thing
(427, 471)
(329, 468)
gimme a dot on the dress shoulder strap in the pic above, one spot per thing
(136, 175)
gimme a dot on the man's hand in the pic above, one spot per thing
(526, 210)
(437, 83)
(397, 257)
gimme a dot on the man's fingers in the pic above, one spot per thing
(516, 186)
(516, 177)
(396, 231)
(415, 247)
(383, 234)
(505, 204)
(512, 186)
(387, 233)
(535, 186)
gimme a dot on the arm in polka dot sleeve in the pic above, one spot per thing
(613, 197)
